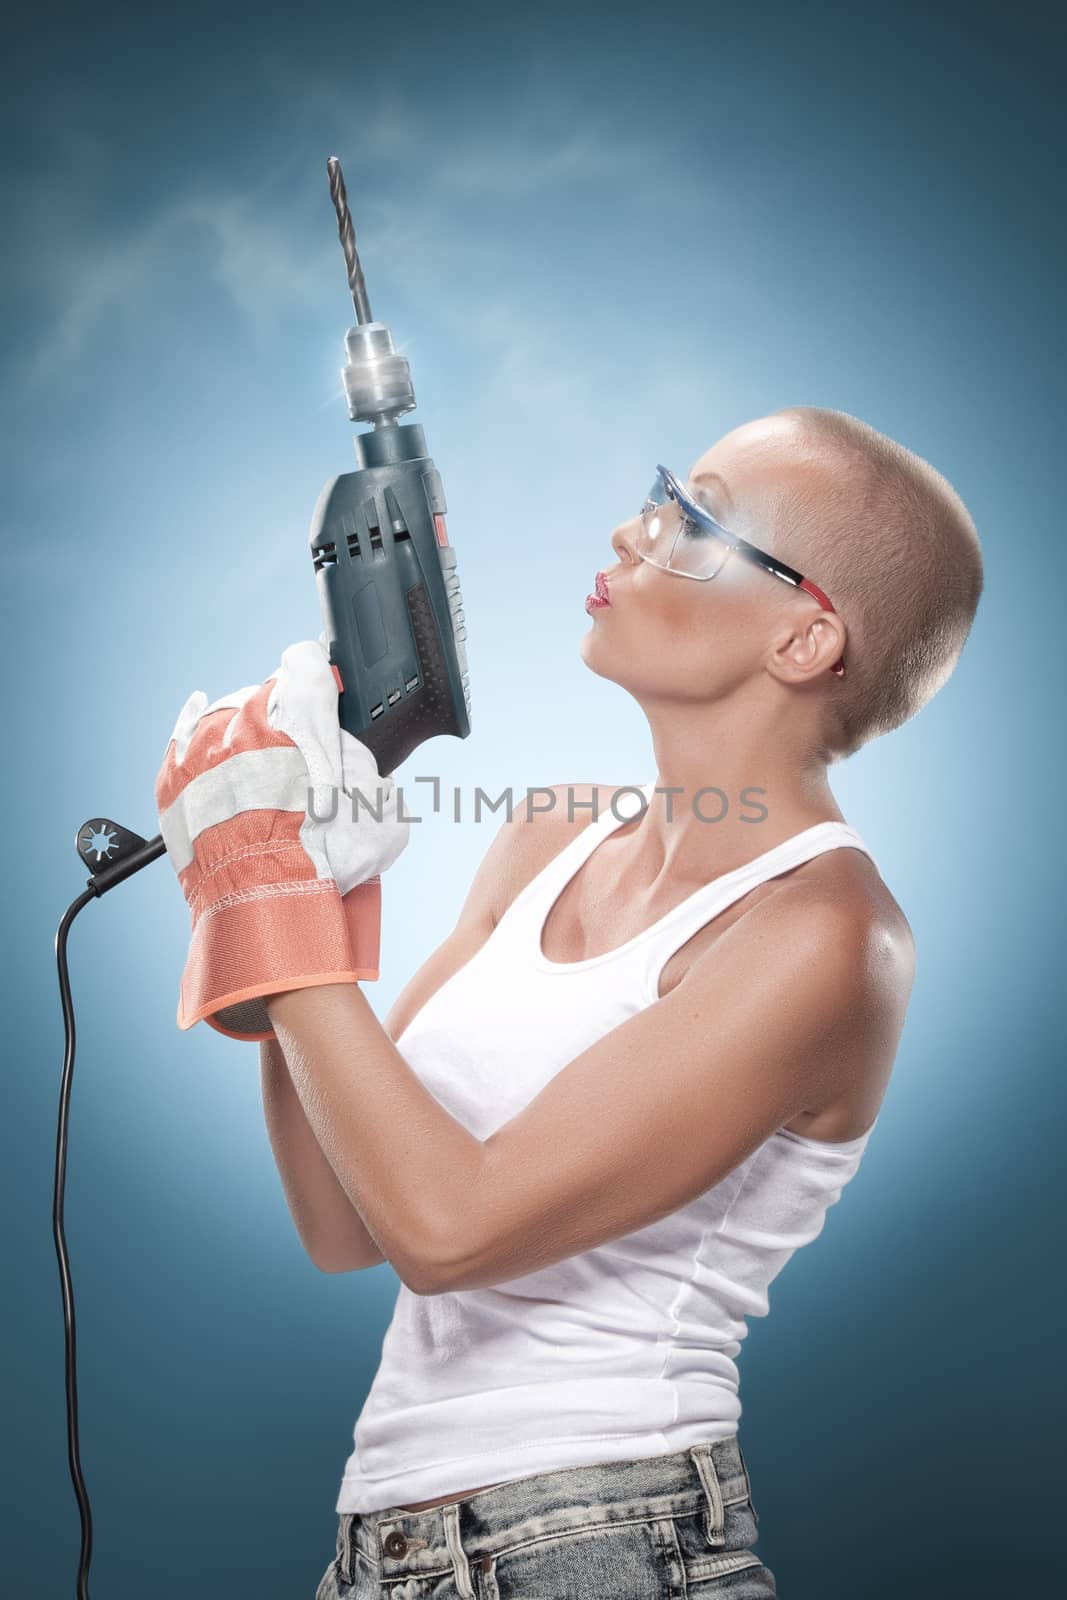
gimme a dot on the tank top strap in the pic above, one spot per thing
(706, 903)
(546, 885)
(645, 955)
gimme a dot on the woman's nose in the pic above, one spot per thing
(622, 542)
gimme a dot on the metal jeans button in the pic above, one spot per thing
(395, 1544)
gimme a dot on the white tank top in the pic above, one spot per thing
(625, 1350)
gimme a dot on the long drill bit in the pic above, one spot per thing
(347, 235)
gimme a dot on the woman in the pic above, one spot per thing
(629, 1084)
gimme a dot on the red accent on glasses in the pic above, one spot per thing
(813, 588)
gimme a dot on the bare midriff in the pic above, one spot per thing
(446, 1499)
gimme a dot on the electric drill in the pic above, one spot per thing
(387, 581)
(385, 570)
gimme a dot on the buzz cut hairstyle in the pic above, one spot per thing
(894, 547)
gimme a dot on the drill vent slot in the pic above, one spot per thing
(400, 533)
(375, 539)
(376, 711)
(324, 556)
(412, 683)
(353, 545)
(393, 696)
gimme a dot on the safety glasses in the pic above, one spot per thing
(681, 536)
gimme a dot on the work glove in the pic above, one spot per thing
(279, 899)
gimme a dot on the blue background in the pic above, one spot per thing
(602, 237)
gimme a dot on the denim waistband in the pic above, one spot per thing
(454, 1537)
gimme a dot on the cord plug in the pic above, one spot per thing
(113, 853)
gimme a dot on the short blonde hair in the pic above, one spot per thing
(894, 548)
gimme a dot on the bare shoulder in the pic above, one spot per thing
(849, 892)
(842, 911)
(827, 943)
(834, 921)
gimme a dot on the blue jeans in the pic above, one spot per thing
(660, 1528)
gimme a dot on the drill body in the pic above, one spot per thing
(390, 597)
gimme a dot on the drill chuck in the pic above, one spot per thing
(377, 379)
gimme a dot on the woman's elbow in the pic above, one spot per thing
(334, 1263)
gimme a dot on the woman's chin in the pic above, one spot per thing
(595, 657)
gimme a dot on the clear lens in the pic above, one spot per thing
(671, 539)
(661, 523)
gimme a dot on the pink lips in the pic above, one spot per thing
(594, 602)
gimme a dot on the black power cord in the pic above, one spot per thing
(124, 853)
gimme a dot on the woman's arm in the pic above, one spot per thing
(330, 1228)
(328, 1224)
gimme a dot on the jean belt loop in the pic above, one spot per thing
(714, 1515)
(346, 1548)
(748, 1479)
(464, 1586)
